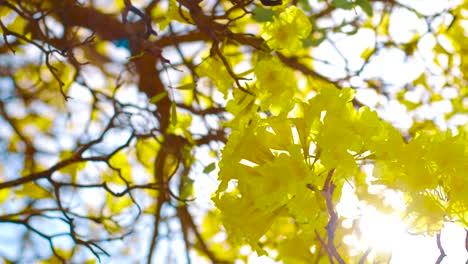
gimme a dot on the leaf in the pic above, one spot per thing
(209, 168)
(367, 53)
(73, 168)
(64, 254)
(308, 42)
(305, 5)
(119, 162)
(136, 56)
(41, 122)
(111, 226)
(146, 149)
(4, 193)
(261, 14)
(4, 11)
(33, 190)
(366, 6)
(175, 13)
(187, 188)
(173, 113)
(296, 249)
(315, 42)
(189, 86)
(215, 70)
(155, 99)
(18, 25)
(344, 4)
(247, 72)
(118, 204)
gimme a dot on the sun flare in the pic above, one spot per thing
(386, 238)
(381, 232)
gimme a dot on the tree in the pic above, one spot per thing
(112, 112)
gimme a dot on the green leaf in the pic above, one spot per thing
(247, 72)
(173, 114)
(308, 42)
(187, 189)
(211, 167)
(315, 42)
(189, 86)
(305, 5)
(158, 97)
(261, 14)
(344, 4)
(366, 6)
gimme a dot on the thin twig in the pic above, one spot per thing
(441, 250)
(327, 193)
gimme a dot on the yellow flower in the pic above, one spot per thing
(215, 70)
(274, 84)
(287, 31)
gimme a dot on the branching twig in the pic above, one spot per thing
(441, 249)
(327, 193)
